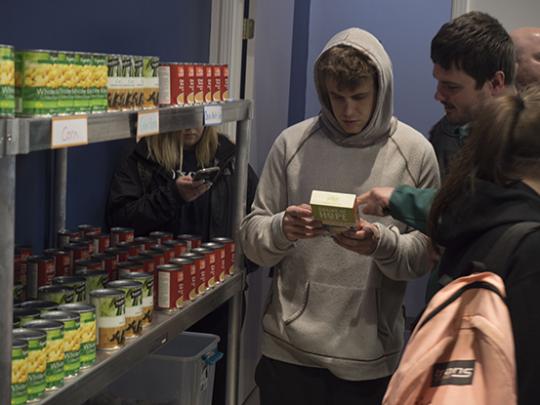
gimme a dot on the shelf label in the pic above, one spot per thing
(147, 123)
(213, 115)
(69, 131)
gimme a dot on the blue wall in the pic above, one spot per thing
(171, 29)
(405, 29)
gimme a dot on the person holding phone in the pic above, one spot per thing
(156, 187)
(181, 182)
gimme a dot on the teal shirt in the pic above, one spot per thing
(411, 205)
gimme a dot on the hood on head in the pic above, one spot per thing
(382, 123)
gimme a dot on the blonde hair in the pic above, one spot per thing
(168, 149)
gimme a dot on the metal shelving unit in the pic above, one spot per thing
(26, 135)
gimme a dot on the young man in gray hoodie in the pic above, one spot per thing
(333, 327)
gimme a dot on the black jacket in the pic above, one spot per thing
(143, 196)
(469, 230)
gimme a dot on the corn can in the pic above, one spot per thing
(36, 361)
(19, 372)
(7, 81)
(87, 331)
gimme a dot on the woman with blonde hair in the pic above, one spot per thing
(494, 184)
(153, 189)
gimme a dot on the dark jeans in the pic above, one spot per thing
(288, 384)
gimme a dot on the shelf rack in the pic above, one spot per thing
(25, 135)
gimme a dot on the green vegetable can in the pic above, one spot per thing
(19, 372)
(54, 350)
(72, 339)
(87, 331)
(110, 307)
(37, 360)
(7, 81)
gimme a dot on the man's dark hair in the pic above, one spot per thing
(476, 43)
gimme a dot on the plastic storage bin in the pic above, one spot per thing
(180, 373)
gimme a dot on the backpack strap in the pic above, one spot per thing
(498, 256)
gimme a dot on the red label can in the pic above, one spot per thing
(77, 251)
(182, 85)
(210, 265)
(189, 269)
(62, 261)
(170, 286)
(129, 267)
(119, 234)
(40, 272)
(101, 242)
(166, 251)
(64, 236)
(219, 251)
(224, 82)
(190, 83)
(110, 262)
(179, 246)
(168, 83)
(22, 253)
(199, 84)
(160, 237)
(230, 251)
(208, 83)
(199, 278)
(89, 230)
(216, 84)
(147, 262)
(192, 241)
(145, 242)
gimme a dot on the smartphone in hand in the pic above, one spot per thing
(206, 174)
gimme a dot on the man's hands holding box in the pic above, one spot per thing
(335, 214)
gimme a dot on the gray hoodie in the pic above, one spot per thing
(330, 307)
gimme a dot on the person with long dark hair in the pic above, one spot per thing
(493, 184)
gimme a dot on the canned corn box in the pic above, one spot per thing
(7, 81)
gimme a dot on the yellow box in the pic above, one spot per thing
(334, 209)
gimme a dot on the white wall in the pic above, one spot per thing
(512, 14)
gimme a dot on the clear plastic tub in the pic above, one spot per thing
(180, 373)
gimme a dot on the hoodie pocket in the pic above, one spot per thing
(338, 322)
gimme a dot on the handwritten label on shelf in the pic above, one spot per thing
(147, 123)
(69, 131)
(213, 115)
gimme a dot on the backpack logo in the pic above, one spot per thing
(459, 372)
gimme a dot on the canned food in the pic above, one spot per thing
(122, 251)
(201, 277)
(224, 82)
(216, 85)
(179, 246)
(87, 331)
(7, 81)
(115, 95)
(18, 293)
(157, 256)
(147, 281)
(64, 64)
(147, 262)
(169, 88)
(56, 293)
(190, 280)
(192, 241)
(42, 306)
(166, 251)
(90, 264)
(137, 82)
(160, 237)
(65, 235)
(129, 267)
(95, 280)
(101, 242)
(77, 251)
(19, 372)
(54, 351)
(88, 230)
(72, 339)
(22, 253)
(119, 234)
(81, 91)
(190, 83)
(110, 317)
(36, 361)
(87, 242)
(78, 284)
(38, 82)
(98, 83)
(150, 81)
(208, 83)
(16, 322)
(62, 261)
(26, 315)
(134, 305)
(199, 84)
(220, 260)
(230, 251)
(110, 262)
(40, 271)
(170, 286)
(135, 248)
(210, 259)
(127, 84)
